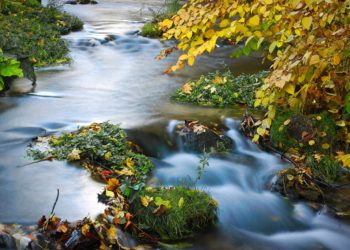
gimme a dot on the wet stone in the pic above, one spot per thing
(196, 137)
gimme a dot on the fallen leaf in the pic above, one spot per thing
(159, 210)
(187, 88)
(146, 200)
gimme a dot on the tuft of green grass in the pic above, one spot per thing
(168, 10)
(327, 169)
(29, 30)
(221, 89)
(151, 30)
(184, 212)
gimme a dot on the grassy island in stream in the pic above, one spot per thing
(29, 30)
(171, 213)
(221, 89)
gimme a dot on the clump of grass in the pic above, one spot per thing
(221, 89)
(175, 213)
(30, 30)
(151, 30)
(168, 10)
(326, 168)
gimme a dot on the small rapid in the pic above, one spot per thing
(240, 182)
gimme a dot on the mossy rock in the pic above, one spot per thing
(175, 213)
(291, 129)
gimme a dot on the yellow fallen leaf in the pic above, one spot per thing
(112, 184)
(336, 59)
(311, 142)
(129, 163)
(187, 88)
(85, 229)
(108, 156)
(286, 122)
(306, 21)
(109, 194)
(74, 155)
(146, 200)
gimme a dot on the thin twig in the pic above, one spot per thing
(49, 158)
(54, 205)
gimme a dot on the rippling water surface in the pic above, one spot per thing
(119, 80)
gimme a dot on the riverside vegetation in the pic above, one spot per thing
(306, 93)
(32, 33)
(152, 213)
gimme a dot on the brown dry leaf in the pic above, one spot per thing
(112, 184)
(159, 210)
(62, 228)
(199, 128)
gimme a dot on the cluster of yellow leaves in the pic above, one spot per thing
(308, 42)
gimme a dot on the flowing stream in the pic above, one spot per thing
(114, 76)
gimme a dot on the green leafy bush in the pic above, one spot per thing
(221, 89)
(8, 67)
(29, 30)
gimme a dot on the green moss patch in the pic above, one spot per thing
(175, 213)
(221, 89)
(29, 30)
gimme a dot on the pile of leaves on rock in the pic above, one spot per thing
(221, 89)
(152, 214)
(29, 30)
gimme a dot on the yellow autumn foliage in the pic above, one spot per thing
(307, 42)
